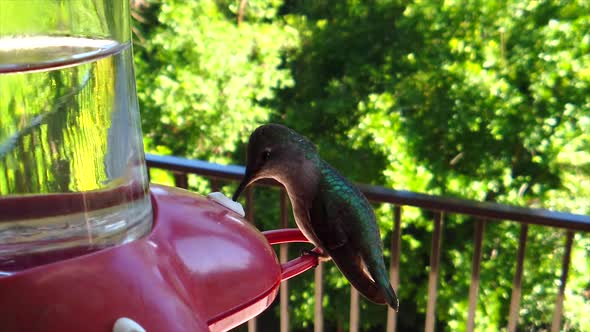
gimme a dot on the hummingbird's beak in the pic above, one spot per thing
(248, 178)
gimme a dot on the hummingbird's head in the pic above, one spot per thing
(272, 150)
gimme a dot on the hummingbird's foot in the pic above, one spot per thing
(309, 252)
(317, 253)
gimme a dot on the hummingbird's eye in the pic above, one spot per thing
(266, 155)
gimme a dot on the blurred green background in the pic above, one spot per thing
(485, 100)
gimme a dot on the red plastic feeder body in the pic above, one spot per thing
(202, 268)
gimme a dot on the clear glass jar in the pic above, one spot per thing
(72, 167)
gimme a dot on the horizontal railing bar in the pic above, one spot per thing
(485, 210)
(179, 164)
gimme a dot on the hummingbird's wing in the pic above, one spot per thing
(328, 230)
(329, 222)
(344, 222)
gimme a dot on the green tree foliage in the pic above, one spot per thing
(487, 100)
(206, 81)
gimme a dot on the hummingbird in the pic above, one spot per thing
(331, 212)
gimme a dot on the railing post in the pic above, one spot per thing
(215, 185)
(318, 313)
(250, 217)
(433, 275)
(181, 180)
(565, 265)
(517, 283)
(250, 205)
(283, 258)
(475, 269)
(394, 265)
(354, 310)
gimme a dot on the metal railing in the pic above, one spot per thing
(482, 211)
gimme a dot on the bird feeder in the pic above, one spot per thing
(86, 243)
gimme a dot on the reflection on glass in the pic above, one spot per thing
(72, 171)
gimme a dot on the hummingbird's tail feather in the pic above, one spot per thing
(379, 273)
(392, 299)
(352, 267)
